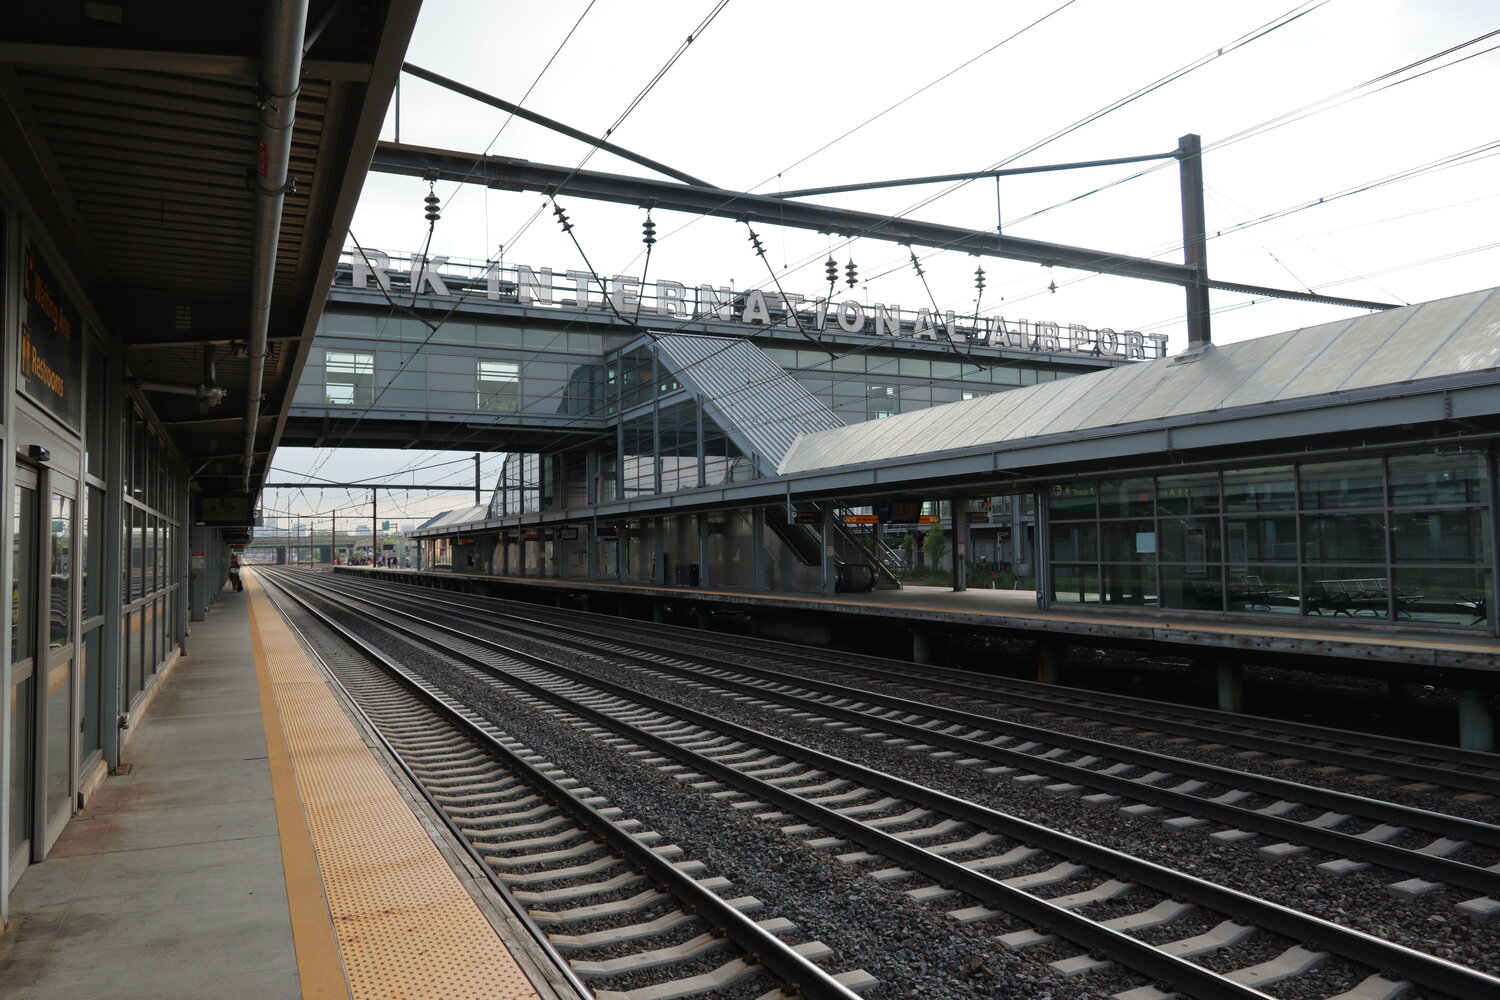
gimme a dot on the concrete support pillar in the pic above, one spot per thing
(921, 646)
(1223, 680)
(1476, 721)
(1049, 662)
(705, 620)
(656, 611)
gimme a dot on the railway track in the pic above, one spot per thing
(980, 866)
(617, 909)
(1406, 760)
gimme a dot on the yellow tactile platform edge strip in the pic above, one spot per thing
(405, 926)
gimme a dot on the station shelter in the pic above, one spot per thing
(168, 180)
(1342, 473)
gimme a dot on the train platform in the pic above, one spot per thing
(1332, 642)
(254, 843)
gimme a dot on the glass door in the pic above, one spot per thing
(57, 713)
(21, 701)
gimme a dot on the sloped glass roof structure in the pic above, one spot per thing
(752, 398)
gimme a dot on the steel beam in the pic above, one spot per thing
(971, 175)
(506, 173)
(522, 175)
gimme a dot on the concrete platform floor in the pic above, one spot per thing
(258, 846)
(169, 885)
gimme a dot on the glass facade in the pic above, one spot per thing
(151, 560)
(1397, 537)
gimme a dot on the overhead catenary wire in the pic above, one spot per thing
(631, 107)
(1420, 170)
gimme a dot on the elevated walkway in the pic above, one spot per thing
(254, 845)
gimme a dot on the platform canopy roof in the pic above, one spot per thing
(1311, 385)
(138, 133)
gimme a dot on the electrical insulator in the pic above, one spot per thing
(648, 229)
(760, 251)
(916, 264)
(832, 267)
(979, 278)
(1052, 287)
(852, 273)
(562, 217)
(432, 201)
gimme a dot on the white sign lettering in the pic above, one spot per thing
(627, 295)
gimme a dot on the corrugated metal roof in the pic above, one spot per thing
(464, 515)
(136, 141)
(751, 397)
(1453, 336)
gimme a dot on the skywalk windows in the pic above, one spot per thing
(499, 386)
(881, 401)
(349, 378)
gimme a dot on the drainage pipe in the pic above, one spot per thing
(281, 72)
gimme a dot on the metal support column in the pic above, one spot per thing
(828, 566)
(658, 551)
(113, 700)
(1194, 239)
(705, 575)
(758, 549)
(960, 523)
(1041, 555)
(180, 627)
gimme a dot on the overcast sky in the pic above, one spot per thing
(776, 95)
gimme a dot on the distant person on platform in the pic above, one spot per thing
(234, 573)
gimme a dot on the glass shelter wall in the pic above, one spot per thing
(1397, 537)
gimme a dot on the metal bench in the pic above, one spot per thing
(1353, 596)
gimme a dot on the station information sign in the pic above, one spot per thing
(51, 355)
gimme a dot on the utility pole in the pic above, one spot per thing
(477, 501)
(333, 540)
(374, 526)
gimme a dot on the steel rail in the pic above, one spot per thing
(1425, 970)
(1454, 873)
(1047, 697)
(502, 893)
(1450, 872)
(811, 981)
